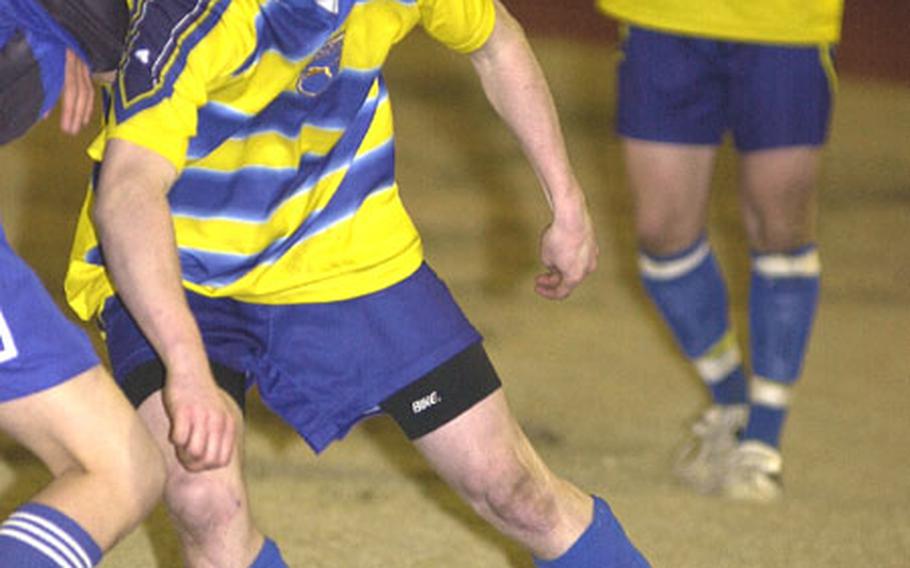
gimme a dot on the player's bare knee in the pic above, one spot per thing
(202, 500)
(650, 236)
(135, 478)
(149, 480)
(132, 481)
(777, 237)
(661, 236)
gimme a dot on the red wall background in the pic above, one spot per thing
(875, 43)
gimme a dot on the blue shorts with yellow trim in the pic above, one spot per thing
(39, 347)
(687, 90)
(321, 367)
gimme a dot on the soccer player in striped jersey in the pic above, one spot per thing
(691, 72)
(55, 398)
(246, 213)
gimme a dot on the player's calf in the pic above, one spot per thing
(688, 290)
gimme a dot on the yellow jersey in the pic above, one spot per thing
(277, 117)
(797, 22)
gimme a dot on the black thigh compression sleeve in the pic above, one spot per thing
(444, 393)
(143, 381)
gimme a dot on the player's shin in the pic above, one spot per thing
(782, 305)
(689, 292)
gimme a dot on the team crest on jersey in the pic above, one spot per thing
(322, 69)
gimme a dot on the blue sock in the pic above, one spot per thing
(269, 556)
(782, 304)
(689, 292)
(765, 424)
(37, 536)
(603, 545)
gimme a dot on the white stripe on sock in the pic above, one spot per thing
(803, 265)
(769, 393)
(34, 543)
(55, 535)
(670, 269)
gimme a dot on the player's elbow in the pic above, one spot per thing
(506, 36)
(506, 24)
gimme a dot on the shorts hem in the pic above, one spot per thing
(322, 438)
(64, 377)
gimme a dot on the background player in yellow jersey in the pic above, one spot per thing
(691, 72)
(55, 398)
(249, 218)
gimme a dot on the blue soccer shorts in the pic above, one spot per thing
(39, 347)
(320, 367)
(687, 90)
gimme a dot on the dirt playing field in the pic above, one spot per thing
(595, 380)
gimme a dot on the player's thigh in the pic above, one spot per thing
(58, 400)
(671, 185)
(781, 112)
(84, 422)
(778, 190)
(780, 96)
(482, 447)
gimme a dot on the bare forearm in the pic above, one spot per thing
(134, 225)
(515, 86)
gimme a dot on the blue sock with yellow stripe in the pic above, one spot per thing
(689, 292)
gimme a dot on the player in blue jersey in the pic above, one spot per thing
(692, 72)
(55, 398)
(252, 230)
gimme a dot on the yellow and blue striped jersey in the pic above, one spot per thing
(766, 21)
(277, 117)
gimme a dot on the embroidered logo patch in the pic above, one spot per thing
(322, 69)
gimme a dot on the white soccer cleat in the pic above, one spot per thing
(754, 473)
(704, 459)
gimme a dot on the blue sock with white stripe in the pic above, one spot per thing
(689, 292)
(603, 545)
(37, 536)
(269, 556)
(782, 305)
